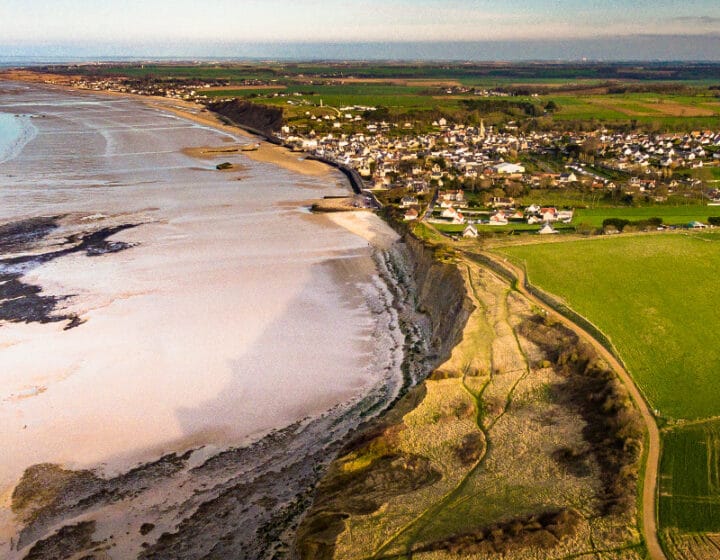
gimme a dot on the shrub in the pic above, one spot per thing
(618, 223)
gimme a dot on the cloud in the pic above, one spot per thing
(705, 20)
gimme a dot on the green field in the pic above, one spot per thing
(671, 215)
(655, 96)
(364, 94)
(655, 297)
(690, 479)
(666, 110)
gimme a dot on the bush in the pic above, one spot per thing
(618, 223)
(714, 220)
(621, 224)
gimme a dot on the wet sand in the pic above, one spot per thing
(266, 153)
(224, 314)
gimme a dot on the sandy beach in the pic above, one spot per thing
(174, 308)
(264, 152)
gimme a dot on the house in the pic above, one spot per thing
(565, 216)
(547, 229)
(568, 177)
(451, 196)
(408, 201)
(498, 219)
(502, 202)
(548, 214)
(449, 212)
(470, 231)
(509, 168)
(411, 214)
(454, 215)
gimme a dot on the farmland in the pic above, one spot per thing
(652, 295)
(654, 97)
(690, 489)
(699, 109)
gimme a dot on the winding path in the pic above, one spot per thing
(649, 495)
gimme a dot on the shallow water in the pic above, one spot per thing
(233, 313)
(15, 132)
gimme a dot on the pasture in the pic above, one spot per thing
(654, 296)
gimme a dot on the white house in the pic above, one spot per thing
(565, 216)
(509, 168)
(568, 177)
(411, 214)
(548, 214)
(498, 219)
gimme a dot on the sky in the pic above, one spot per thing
(226, 27)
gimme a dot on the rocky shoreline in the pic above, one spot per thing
(244, 501)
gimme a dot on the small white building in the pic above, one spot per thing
(509, 168)
(470, 231)
(411, 214)
(498, 219)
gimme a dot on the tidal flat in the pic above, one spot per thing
(175, 341)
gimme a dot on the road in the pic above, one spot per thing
(649, 495)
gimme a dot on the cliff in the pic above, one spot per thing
(442, 294)
(259, 119)
(438, 290)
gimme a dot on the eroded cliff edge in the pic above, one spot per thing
(521, 442)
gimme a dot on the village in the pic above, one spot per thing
(452, 174)
(460, 174)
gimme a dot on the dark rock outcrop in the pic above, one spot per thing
(257, 118)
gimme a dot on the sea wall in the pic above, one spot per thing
(353, 176)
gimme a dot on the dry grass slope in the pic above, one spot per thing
(534, 452)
